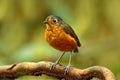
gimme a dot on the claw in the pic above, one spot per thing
(57, 62)
(67, 69)
(53, 66)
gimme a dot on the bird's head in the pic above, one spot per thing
(53, 20)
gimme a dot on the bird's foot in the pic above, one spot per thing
(67, 69)
(53, 65)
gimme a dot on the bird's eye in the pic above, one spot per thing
(55, 20)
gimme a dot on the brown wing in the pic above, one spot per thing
(70, 31)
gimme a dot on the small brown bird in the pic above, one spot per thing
(62, 37)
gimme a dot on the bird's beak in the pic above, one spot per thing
(45, 22)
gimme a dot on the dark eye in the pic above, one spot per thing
(55, 20)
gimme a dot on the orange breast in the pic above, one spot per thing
(58, 39)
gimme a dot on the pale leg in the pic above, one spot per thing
(57, 62)
(69, 64)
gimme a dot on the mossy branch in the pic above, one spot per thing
(43, 67)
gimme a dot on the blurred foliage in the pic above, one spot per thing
(96, 22)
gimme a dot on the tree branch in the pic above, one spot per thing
(43, 67)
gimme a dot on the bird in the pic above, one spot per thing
(62, 37)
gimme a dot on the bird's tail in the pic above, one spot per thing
(76, 50)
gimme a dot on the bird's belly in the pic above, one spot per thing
(60, 40)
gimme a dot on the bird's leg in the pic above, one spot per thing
(57, 62)
(69, 64)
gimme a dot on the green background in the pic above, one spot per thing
(96, 23)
